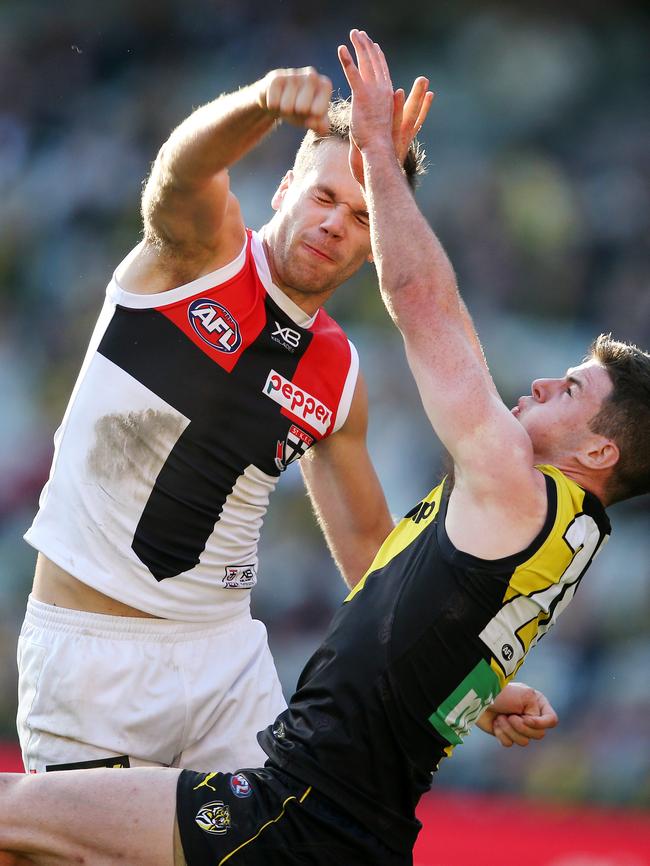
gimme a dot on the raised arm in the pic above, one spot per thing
(187, 205)
(489, 447)
(346, 494)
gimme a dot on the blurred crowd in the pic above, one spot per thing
(539, 186)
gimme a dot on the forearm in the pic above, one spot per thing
(351, 510)
(353, 545)
(346, 493)
(415, 275)
(416, 278)
(215, 136)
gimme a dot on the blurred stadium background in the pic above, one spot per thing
(539, 152)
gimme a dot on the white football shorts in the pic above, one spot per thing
(122, 691)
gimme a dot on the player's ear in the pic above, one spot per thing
(281, 191)
(602, 453)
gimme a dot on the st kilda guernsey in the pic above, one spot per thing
(188, 407)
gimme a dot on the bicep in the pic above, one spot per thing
(346, 492)
(467, 413)
(187, 215)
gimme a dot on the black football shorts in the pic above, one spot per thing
(264, 817)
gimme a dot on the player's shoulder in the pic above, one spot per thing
(496, 514)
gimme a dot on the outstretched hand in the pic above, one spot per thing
(299, 96)
(518, 715)
(378, 112)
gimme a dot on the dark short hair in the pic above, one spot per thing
(339, 114)
(624, 415)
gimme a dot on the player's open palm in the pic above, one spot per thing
(299, 96)
(372, 90)
(377, 110)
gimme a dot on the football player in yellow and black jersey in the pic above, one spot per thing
(428, 642)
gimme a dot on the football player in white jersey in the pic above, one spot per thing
(581, 426)
(138, 647)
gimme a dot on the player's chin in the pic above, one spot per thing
(319, 280)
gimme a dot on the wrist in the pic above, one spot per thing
(380, 157)
(378, 149)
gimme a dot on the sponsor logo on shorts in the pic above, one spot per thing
(214, 818)
(206, 783)
(240, 786)
(239, 576)
(293, 447)
(298, 402)
(215, 325)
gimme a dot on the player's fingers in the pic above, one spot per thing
(382, 63)
(429, 96)
(287, 107)
(415, 103)
(312, 101)
(501, 734)
(505, 725)
(530, 732)
(361, 44)
(416, 94)
(304, 96)
(319, 123)
(349, 67)
(542, 721)
(398, 109)
(547, 715)
(321, 99)
(274, 94)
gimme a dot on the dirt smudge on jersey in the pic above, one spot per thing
(132, 446)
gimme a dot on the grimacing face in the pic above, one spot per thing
(320, 234)
(557, 412)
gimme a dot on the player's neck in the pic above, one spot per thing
(594, 482)
(309, 302)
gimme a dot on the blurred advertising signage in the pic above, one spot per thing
(469, 830)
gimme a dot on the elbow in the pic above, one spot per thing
(406, 298)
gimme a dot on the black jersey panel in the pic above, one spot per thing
(232, 425)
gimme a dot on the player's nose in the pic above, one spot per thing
(333, 222)
(541, 389)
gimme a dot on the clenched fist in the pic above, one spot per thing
(300, 96)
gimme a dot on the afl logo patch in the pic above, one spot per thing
(214, 325)
(240, 786)
(214, 818)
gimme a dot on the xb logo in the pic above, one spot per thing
(287, 336)
(214, 325)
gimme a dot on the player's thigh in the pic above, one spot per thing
(95, 816)
(179, 854)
